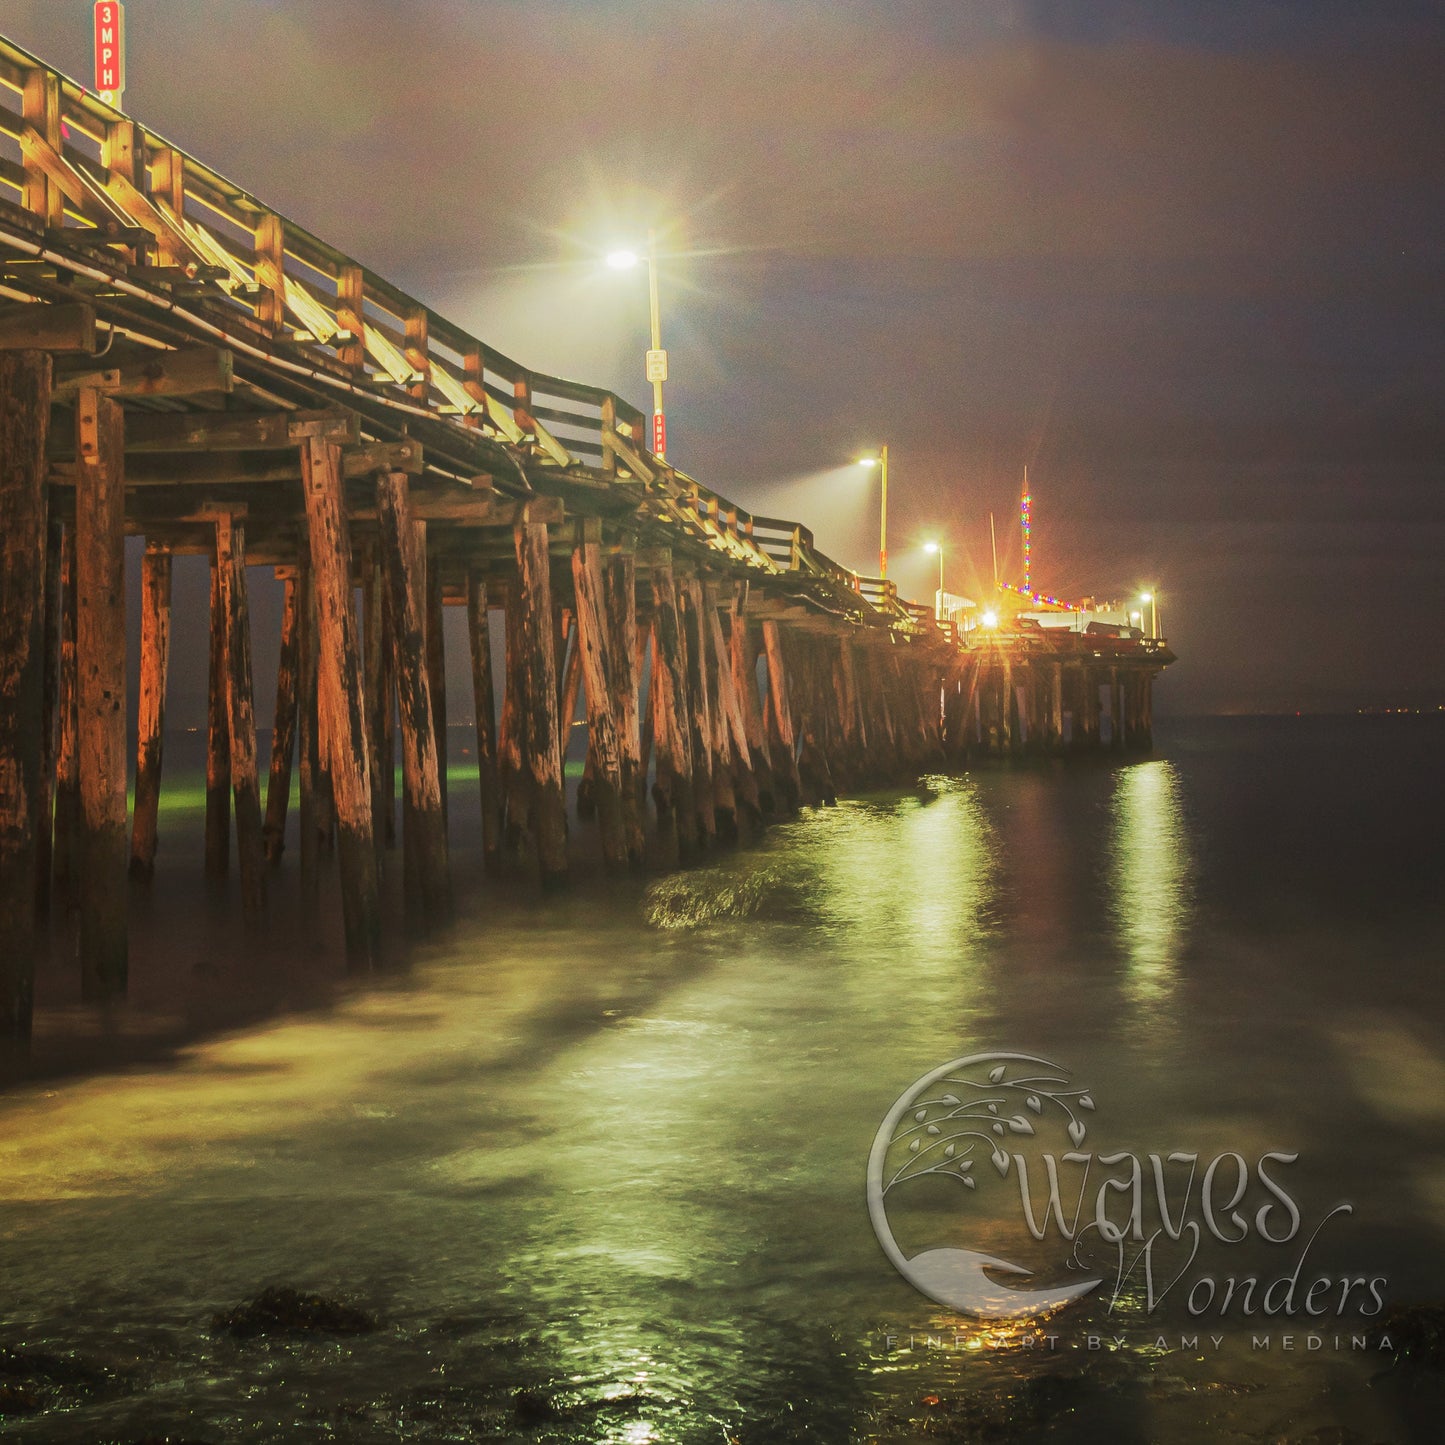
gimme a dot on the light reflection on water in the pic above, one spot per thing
(1151, 882)
(599, 1170)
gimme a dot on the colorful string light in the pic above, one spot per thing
(1026, 519)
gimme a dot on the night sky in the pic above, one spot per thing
(1182, 260)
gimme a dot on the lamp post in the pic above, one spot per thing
(881, 462)
(931, 547)
(1153, 614)
(656, 356)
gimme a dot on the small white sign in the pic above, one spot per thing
(657, 366)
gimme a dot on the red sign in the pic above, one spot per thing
(109, 50)
(659, 434)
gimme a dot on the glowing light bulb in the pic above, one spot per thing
(622, 260)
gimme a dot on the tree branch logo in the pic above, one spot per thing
(948, 1122)
(1155, 1222)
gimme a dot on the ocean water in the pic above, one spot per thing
(596, 1165)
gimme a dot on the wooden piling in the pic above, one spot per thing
(218, 739)
(620, 585)
(44, 810)
(426, 874)
(155, 647)
(696, 710)
(283, 726)
(672, 788)
(241, 711)
(436, 665)
(377, 668)
(25, 388)
(308, 743)
(67, 754)
(340, 703)
(782, 744)
(485, 706)
(542, 754)
(100, 671)
(743, 657)
(594, 646)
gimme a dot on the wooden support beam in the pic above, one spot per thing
(100, 661)
(40, 107)
(436, 660)
(227, 431)
(783, 745)
(283, 727)
(542, 755)
(57, 327)
(594, 647)
(188, 371)
(744, 659)
(698, 712)
(172, 471)
(672, 790)
(341, 708)
(484, 703)
(155, 651)
(24, 422)
(67, 755)
(424, 837)
(313, 814)
(376, 650)
(731, 747)
(49, 719)
(218, 736)
(620, 579)
(241, 712)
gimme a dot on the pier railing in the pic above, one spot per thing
(78, 174)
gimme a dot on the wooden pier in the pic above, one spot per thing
(180, 363)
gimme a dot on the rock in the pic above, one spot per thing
(281, 1311)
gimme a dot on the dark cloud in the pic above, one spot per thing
(1182, 259)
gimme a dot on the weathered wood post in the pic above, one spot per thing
(100, 670)
(782, 745)
(340, 703)
(308, 742)
(283, 727)
(436, 664)
(737, 751)
(672, 790)
(218, 738)
(67, 755)
(25, 387)
(484, 703)
(542, 753)
(44, 809)
(1054, 729)
(1116, 711)
(241, 710)
(743, 649)
(696, 710)
(599, 672)
(716, 733)
(375, 645)
(155, 648)
(620, 581)
(426, 872)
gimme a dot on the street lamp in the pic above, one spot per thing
(881, 461)
(1153, 613)
(656, 358)
(931, 547)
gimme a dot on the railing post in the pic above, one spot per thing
(418, 351)
(271, 272)
(40, 106)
